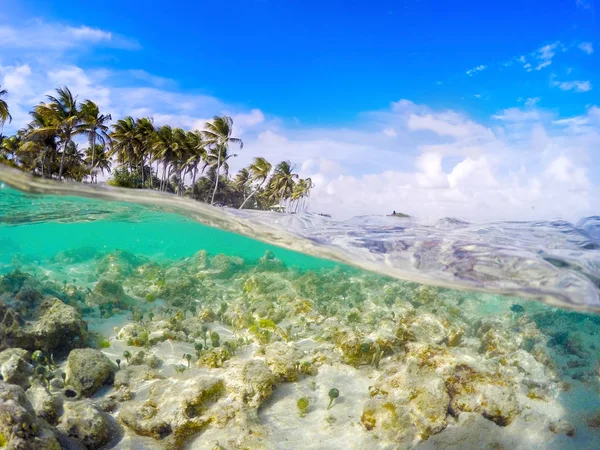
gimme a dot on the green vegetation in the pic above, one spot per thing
(333, 394)
(302, 404)
(141, 155)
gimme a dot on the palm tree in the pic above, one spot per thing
(146, 136)
(218, 134)
(125, 140)
(67, 116)
(9, 147)
(259, 171)
(197, 154)
(282, 182)
(166, 149)
(4, 114)
(95, 125)
(41, 139)
(102, 161)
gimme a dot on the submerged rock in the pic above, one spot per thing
(250, 381)
(82, 421)
(407, 403)
(15, 366)
(108, 294)
(46, 405)
(489, 394)
(175, 411)
(19, 426)
(283, 360)
(10, 327)
(58, 329)
(88, 369)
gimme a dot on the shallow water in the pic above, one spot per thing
(416, 366)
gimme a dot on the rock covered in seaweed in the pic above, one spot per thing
(82, 421)
(19, 426)
(15, 366)
(45, 405)
(173, 413)
(56, 328)
(250, 381)
(283, 360)
(59, 327)
(88, 369)
(407, 403)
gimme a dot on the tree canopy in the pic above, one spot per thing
(138, 154)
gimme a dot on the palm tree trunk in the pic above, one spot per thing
(212, 201)
(252, 194)
(194, 179)
(93, 142)
(62, 160)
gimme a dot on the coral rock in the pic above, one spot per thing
(250, 381)
(84, 422)
(174, 411)
(19, 426)
(88, 369)
(283, 360)
(15, 367)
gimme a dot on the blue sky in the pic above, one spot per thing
(430, 94)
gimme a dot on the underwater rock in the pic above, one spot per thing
(132, 375)
(496, 339)
(213, 358)
(134, 334)
(118, 264)
(10, 327)
(223, 266)
(108, 294)
(58, 329)
(75, 255)
(283, 360)
(428, 329)
(388, 422)
(15, 366)
(407, 391)
(250, 381)
(45, 405)
(19, 426)
(88, 369)
(268, 263)
(489, 394)
(355, 349)
(13, 282)
(82, 421)
(175, 411)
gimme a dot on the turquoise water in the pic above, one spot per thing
(200, 338)
(74, 223)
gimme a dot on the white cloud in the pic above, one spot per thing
(391, 132)
(447, 124)
(518, 115)
(476, 69)
(38, 36)
(584, 4)
(540, 66)
(586, 47)
(531, 102)
(575, 85)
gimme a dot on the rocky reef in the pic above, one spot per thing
(116, 350)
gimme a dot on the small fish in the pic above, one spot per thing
(517, 308)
